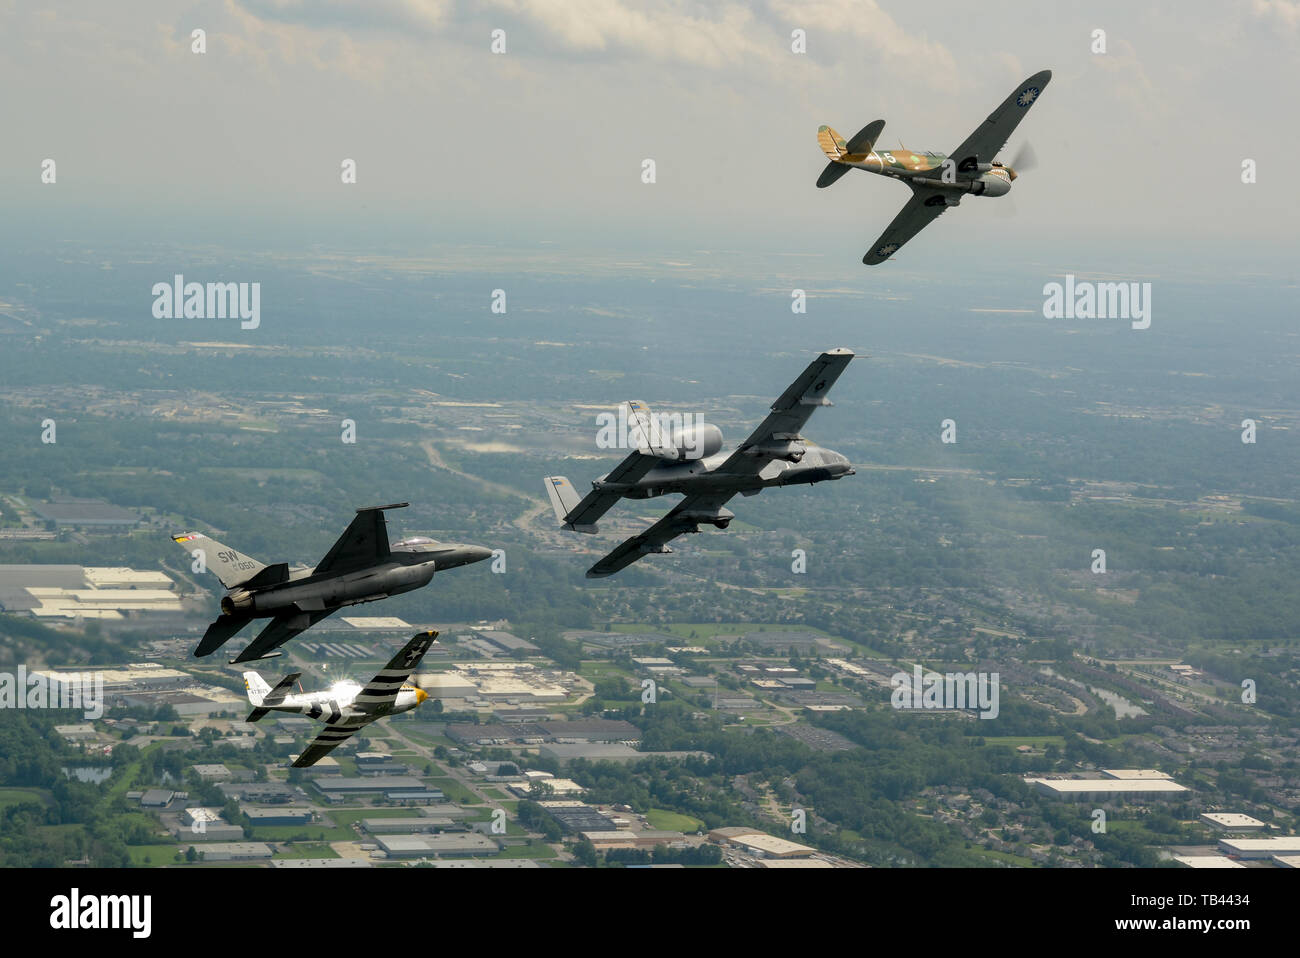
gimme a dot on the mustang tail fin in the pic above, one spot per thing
(262, 696)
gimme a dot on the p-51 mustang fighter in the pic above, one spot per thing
(360, 567)
(937, 181)
(689, 461)
(345, 707)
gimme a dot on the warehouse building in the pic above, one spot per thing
(1233, 822)
(1251, 848)
(1104, 789)
(425, 846)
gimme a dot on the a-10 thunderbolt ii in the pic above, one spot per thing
(345, 707)
(938, 181)
(360, 567)
(688, 460)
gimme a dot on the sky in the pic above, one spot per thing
(1140, 146)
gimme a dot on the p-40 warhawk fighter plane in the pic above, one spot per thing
(347, 706)
(689, 461)
(360, 567)
(937, 181)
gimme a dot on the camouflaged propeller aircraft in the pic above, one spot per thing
(938, 181)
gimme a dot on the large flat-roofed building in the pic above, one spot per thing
(624, 838)
(137, 677)
(576, 817)
(406, 826)
(592, 730)
(89, 592)
(760, 844)
(1134, 774)
(233, 851)
(1207, 861)
(370, 783)
(1248, 848)
(71, 511)
(1233, 821)
(1101, 789)
(278, 815)
(424, 846)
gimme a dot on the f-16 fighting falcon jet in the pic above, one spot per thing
(937, 181)
(689, 461)
(360, 567)
(346, 706)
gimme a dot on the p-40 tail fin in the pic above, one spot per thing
(841, 154)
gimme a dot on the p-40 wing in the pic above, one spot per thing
(329, 739)
(991, 136)
(382, 690)
(778, 436)
(363, 544)
(685, 517)
(278, 631)
(919, 212)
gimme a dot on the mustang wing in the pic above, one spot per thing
(383, 688)
(363, 544)
(992, 135)
(685, 517)
(789, 415)
(278, 631)
(324, 743)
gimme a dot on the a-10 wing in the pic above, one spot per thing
(790, 413)
(685, 517)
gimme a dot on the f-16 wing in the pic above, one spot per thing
(917, 213)
(280, 630)
(685, 517)
(777, 436)
(220, 632)
(992, 135)
(329, 739)
(383, 688)
(363, 544)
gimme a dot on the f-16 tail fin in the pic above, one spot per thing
(262, 696)
(231, 567)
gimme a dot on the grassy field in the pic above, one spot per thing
(313, 832)
(1033, 741)
(664, 820)
(454, 790)
(14, 796)
(538, 850)
(157, 855)
(704, 630)
(307, 850)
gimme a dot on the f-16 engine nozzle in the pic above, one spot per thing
(238, 601)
